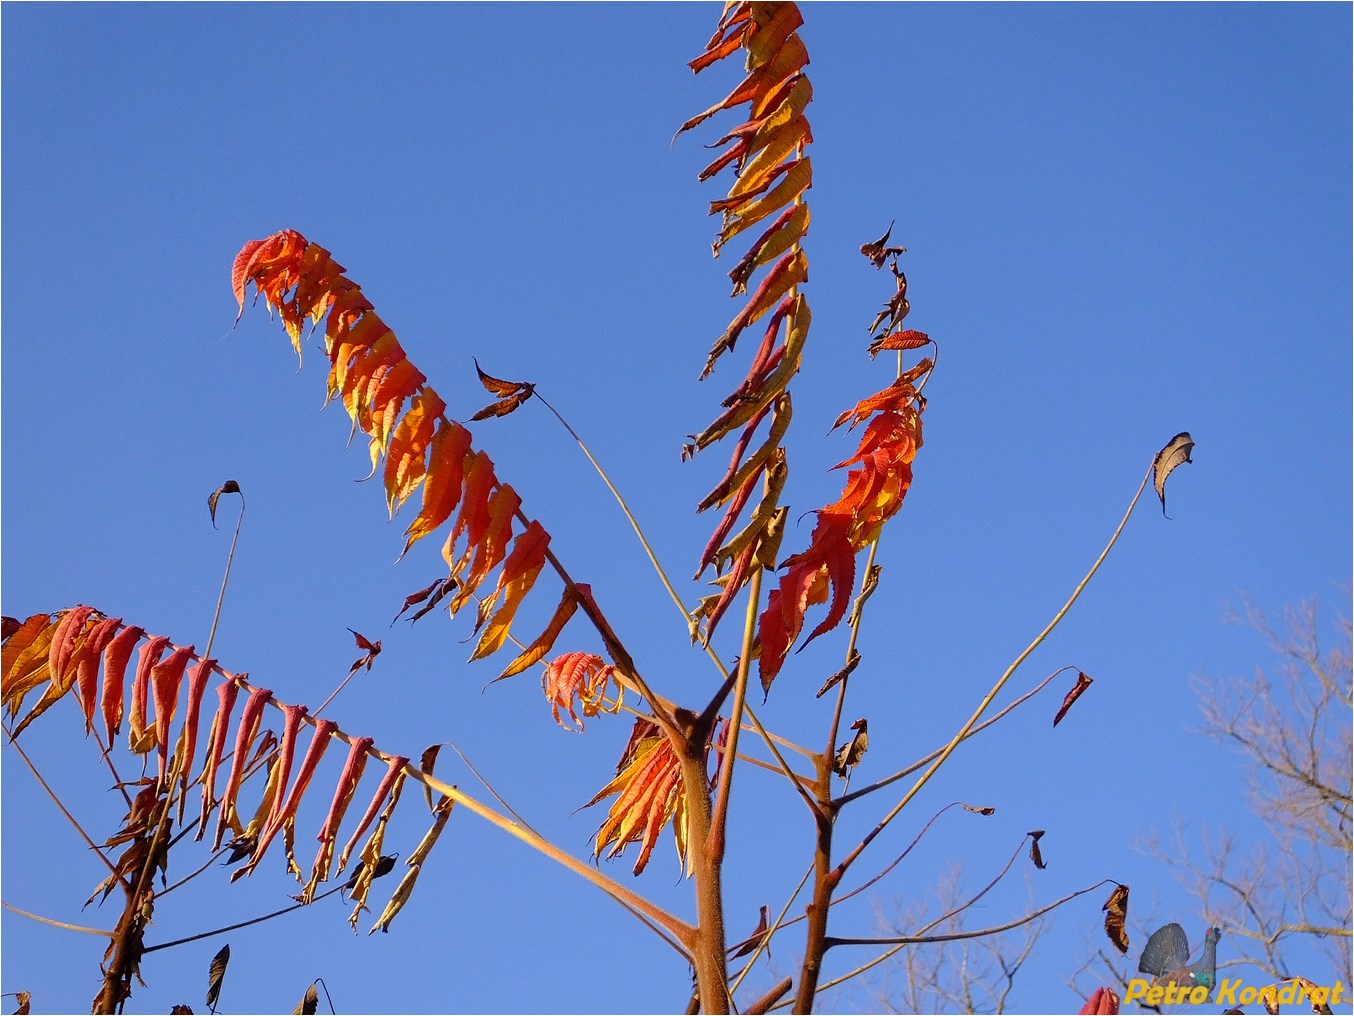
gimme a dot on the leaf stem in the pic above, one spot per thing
(225, 579)
(715, 845)
(996, 688)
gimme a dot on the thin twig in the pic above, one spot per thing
(848, 798)
(57, 924)
(98, 852)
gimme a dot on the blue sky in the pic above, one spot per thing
(1122, 222)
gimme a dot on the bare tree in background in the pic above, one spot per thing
(1287, 899)
(1291, 724)
(969, 975)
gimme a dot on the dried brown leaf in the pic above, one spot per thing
(1035, 855)
(1116, 913)
(849, 754)
(1083, 682)
(1176, 452)
(426, 762)
(310, 1002)
(229, 487)
(216, 973)
(878, 253)
(511, 394)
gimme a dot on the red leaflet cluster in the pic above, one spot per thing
(772, 174)
(80, 650)
(878, 478)
(581, 676)
(389, 400)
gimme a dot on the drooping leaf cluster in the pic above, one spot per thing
(163, 701)
(405, 421)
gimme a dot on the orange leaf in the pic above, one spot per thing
(25, 666)
(348, 780)
(244, 737)
(474, 513)
(772, 26)
(898, 340)
(446, 470)
(87, 667)
(226, 693)
(406, 459)
(165, 681)
(544, 642)
(649, 788)
(519, 574)
(797, 179)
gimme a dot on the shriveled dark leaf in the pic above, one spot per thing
(310, 1002)
(1116, 913)
(229, 487)
(977, 809)
(23, 998)
(418, 597)
(1083, 682)
(849, 754)
(1176, 452)
(181, 1010)
(8, 626)
(878, 253)
(750, 943)
(240, 849)
(840, 675)
(511, 394)
(896, 309)
(443, 587)
(370, 650)
(426, 762)
(1035, 855)
(216, 973)
(383, 867)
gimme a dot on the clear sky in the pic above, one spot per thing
(1122, 221)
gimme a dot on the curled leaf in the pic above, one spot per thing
(426, 763)
(750, 943)
(216, 973)
(229, 487)
(1083, 682)
(1116, 913)
(1035, 855)
(511, 394)
(878, 252)
(849, 754)
(978, 809)
(370, 650)
(310, 1002)
(1176, 452)
(582, 676)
